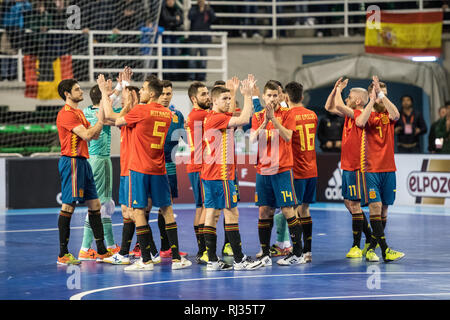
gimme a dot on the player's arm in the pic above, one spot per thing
(92, 133)
(365, 114)
(244, 117)
(390, 107)
(233, 85)
(330, 104)
(285, 133)
(254, 134)
(339, 105)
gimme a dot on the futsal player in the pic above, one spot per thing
(218, 175)
(378, 165)
(100, 161)
(148, 178)
(305, 164)
(199, 96)
(170, 148)
(273, 129)
(77, 181)
(350, 160)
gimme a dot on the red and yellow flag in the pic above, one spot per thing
(45, 90)
(405, 34)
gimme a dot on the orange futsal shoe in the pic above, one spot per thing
(168, 253)
(108, 254)
(90, 255)
(67, 259)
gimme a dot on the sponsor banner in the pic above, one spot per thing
(421, 180)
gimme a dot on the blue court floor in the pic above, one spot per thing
(29, 248)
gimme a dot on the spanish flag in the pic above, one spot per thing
(404, 34)
(45, 90)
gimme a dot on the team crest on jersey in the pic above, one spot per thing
(81, 193)
(384, 119)
(372, 194)
(174, 118)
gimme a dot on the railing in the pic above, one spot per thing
(273, 16)
(154, 60)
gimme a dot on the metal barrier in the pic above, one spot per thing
(154, 60)
(276, 16)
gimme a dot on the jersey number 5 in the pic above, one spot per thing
(161, 135)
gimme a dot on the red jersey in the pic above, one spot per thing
(274, 154)
(218, 154)
(303, 143)
(125, 152)
(351, 143)
(195, 138)
(151, 123)
(71, 144)
(377, 145)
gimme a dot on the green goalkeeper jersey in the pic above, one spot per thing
(102, 146)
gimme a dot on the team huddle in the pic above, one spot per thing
(284, 131)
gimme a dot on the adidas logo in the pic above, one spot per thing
(334, 189)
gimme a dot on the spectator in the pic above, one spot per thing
(409, 127)
(59, 42)
(13, 20)
(330, 132)
(149, 36)
(432, 136)
(41, 21)
(201, 17)
(443, 133)
(171, 19)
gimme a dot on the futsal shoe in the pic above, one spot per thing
(140, 265)
(168, 253)
(67, 259)
(202, 258)
(307, 257)
(117, 258)
(276, 251)
(354, 253)
(114, 250)
(136, 253)
(247, 264)
(392, 255)
(156, 258)
(227, 250)
(218, 266)
(290, 260)
(371, 256)
(180, 264)
(366, 247)
(266, 261)
(101, 257)
(90, 255)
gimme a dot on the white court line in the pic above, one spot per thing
(374, 296)
(80, 295)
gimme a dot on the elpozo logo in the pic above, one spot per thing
(429, 184)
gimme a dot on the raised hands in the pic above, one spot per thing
(247, 85)
(232, 84)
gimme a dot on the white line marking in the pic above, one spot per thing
(80, 295)
(374, 296)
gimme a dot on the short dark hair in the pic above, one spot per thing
(446, 103)
(150, 78)
(166, 83)
(219, 83)
(193, 88)
(156, 86)
(135, 89)
(294, 91)
(270, 85)
(217, 91)
(66, 86)
(278, 83)
(407, 96)
(95, 94)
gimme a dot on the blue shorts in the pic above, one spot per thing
(173, 185)
(379, 187)
(276, 191)
(236, 184)
(196, 184)
(305, 190)
(124, 187)
(144, 186)
(219, 194)
(77, 180)
(351, 185)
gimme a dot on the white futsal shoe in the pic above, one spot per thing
(117, 258)
(290, 260)
(266, 261)
(139, 265)
(247, 264)
(181, 264)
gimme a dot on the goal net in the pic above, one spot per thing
(46, 41)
